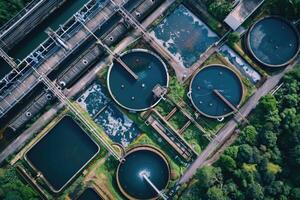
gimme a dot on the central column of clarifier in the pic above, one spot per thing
(144, 174)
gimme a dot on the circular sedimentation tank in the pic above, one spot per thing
(137, 94)
(273, 41)
(209, 85)
(139, 162)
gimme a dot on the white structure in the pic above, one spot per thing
(241, 12)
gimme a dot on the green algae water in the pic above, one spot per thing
(62, 152)
(139, 161)
(38, 35)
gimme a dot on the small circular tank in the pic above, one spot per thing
(213, 89)
(141, 162)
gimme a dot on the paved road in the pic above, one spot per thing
(20, 141)
(226, 132)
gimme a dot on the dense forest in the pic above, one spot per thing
(9, 8)
(264, 162)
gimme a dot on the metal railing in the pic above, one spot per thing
(41, 54)
(136, 24)
(90, 126)
(113, 54)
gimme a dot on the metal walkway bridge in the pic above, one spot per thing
(8, 59)
(160, 193)
(179, 69)
(113, 54)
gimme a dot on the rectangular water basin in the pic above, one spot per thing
(184, 35)
(62, 153)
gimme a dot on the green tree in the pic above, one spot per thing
(232, 191)
(248, 135)
(208, 176)
(232, 151)
(267, 111)
(220, 8)
(255, 191)
(291, 100)
(12, 188)
(8, 9)
(215, 193)
(12, 195)
(295, 194)
(290, 118)
(233, 37)
(295, 155)
(268, 138)
(227, 163)
(275, 189)
(245, 153)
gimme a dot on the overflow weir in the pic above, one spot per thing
(103, 19)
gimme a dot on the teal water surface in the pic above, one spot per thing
(273, 41)
(215, 78)
(62, 152)
(4, 68)
(89, 194)
(143, 161)
(137, 94)
(184, 35)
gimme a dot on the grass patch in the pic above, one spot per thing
(164, 107)
(196, 138)
(177, 90)
(106, 178)
(178, 120)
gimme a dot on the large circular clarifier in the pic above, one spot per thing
(214, 89)
(141, 162)
(137, 94)
(273, 41)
